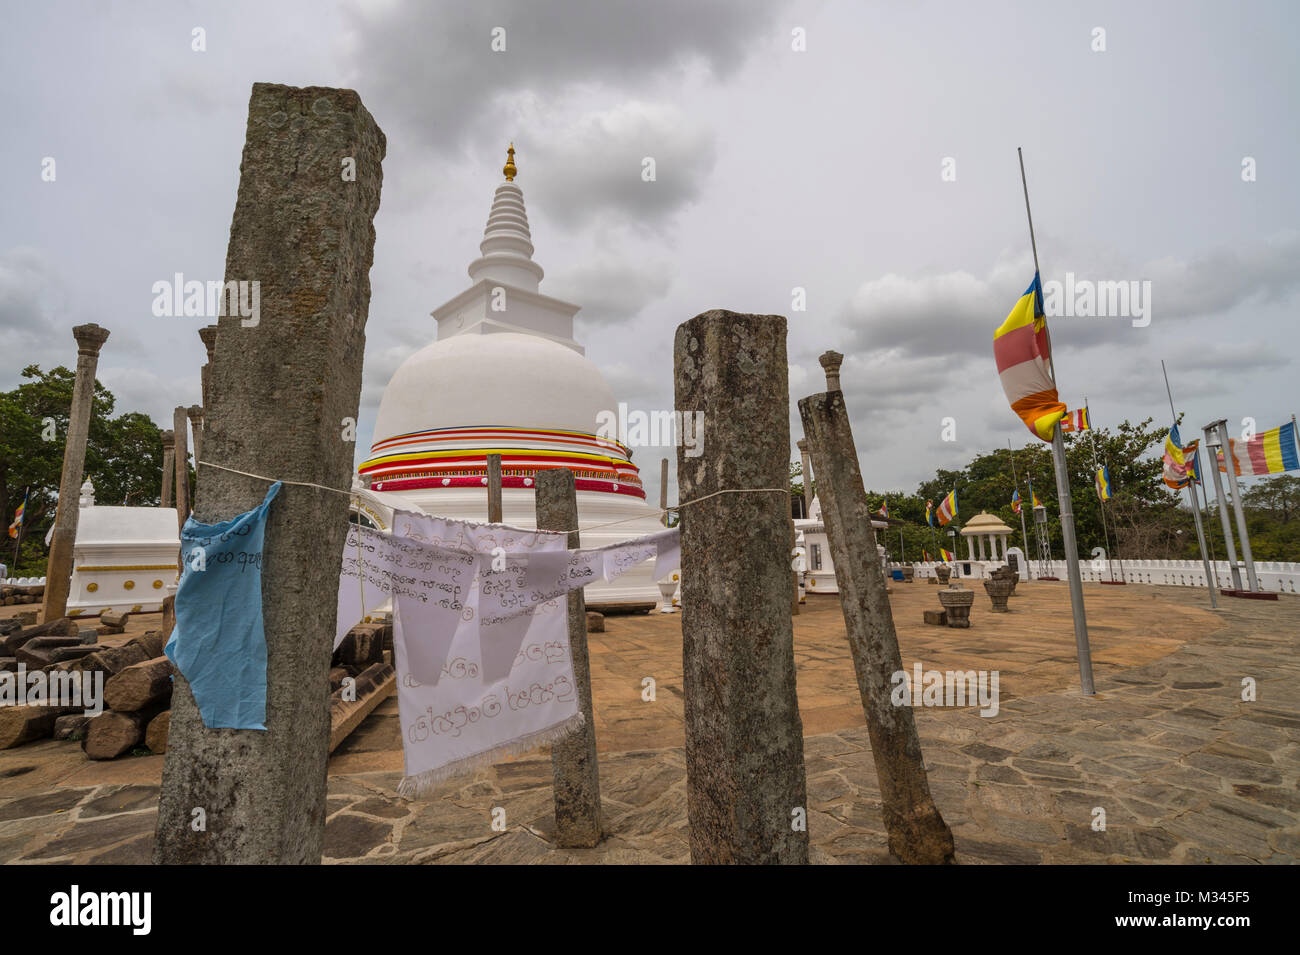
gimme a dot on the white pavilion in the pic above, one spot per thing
(505, 376)
(819, 570)
(986, 534)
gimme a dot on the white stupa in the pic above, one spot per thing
(505, 376)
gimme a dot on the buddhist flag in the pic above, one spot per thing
(1033, 498)
(1076, 420)
(1103, 483)
(1022, 355)
(948, 508)
(1176, 459)
(945, 554)
(18, 518)
(925, 556)
(1015, 501)
(1271, 452)
(929, 513)
(884, 509)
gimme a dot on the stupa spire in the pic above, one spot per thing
(507, 246)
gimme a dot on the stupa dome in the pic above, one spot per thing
(502, 379)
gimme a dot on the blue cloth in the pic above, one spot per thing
(218, 643)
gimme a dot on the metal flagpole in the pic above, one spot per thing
(1211, 578)
(1211, 442)
(1024, 535)
(1237, 507)
(1101, 505)
(1082, 649)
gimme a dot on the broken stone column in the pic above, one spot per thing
(58, 573)
(494, 488)
(282, 384)
(168, 467)
(573, 759)
(831, 362)
(746, 796)
(195, 414)
(806, 472)
(208, 334)
(663, 491)
(917, 832)
(181, 436)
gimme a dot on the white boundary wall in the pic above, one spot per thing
(1273, 575)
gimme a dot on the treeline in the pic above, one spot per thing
(1145, 519)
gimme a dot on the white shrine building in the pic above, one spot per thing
(986, 535)
(124, 559)
(819, 570)
(505, 376)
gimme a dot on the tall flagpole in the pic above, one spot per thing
(1211, 578)
(1082, 649)
(1024, 535)
(1101, 505)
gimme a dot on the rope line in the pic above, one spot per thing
(590, 527)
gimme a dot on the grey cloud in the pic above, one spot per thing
(610, 292)
(433, 66)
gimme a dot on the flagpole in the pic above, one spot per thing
(1082, 649)
(1024, 535)
(1211, 576)
(18, 538)
(1101, 505)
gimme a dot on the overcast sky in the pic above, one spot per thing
(777, 168)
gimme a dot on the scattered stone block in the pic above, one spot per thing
(70, 725)
(155, 735)
(27, 618)
(72, 653)
(111, 733)
(37, 651)
(937, 617)
(362, 647)
(595, 622)
(112, 622)
(152, 642)
(22, 724)
(139, 685)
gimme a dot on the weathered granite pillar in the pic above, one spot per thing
(917, 832)
(58, 571)
(831, 362)
(805, 468)
(573, 759)
(169, 466)
(282, 384)
(195, 414)
(494, 488)
(663, 490)
(208, 334)
(745, 788)
(181, 436)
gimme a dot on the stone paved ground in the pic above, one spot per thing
(1184, 769)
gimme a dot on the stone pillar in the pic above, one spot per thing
(917, 832)
(208, 334)
(805, 463)
(180, 426)
(58, 571)
(169, 466)
(663, 490)
(195, 414)
(281, 384)
(745, 785)
(494, 489)
(831, 362)
(574, 766)
(970, 547)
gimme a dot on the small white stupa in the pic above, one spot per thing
(124, 558)
(505, 376)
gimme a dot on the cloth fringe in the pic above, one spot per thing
(420, 785)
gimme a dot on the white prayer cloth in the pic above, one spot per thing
(480, 632)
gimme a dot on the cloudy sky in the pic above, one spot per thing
(875, 169)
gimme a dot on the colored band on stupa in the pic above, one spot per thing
(457, 457)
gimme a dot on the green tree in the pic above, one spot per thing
(123, 456)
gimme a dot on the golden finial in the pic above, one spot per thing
(509, 168)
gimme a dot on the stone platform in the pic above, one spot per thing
(1184, 769)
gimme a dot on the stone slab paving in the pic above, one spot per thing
(1185, 770)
